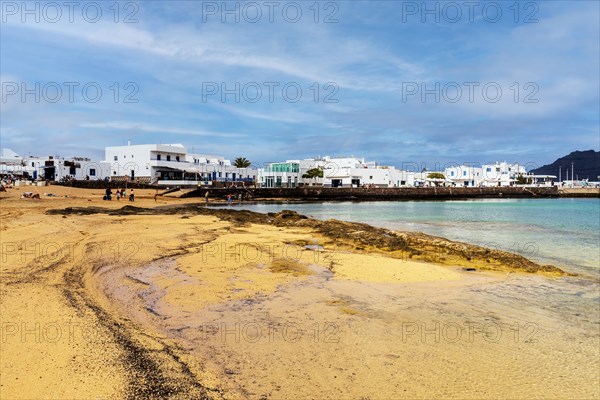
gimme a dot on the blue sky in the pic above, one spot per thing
(370, 61)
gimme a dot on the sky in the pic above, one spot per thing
(398, 82)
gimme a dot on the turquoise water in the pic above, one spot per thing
(562, 232)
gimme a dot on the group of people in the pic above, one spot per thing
(69, 178)
(8, 181)
(121, 193)
(231, 198)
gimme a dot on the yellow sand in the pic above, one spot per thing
(46, 354)
(184, 266)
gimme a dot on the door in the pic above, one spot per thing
(50, 173)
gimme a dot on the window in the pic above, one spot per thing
(92, 172)
(488, 169)
(177, 158)
(158, 157)
(497, 169)
(32, 164)
(72, 170)
(168, 158)
(132, 156)
(464, 173)
(451, 173)
(116, 158)
(371, 177)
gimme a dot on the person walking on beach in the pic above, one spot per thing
(108, 194)
(229, 199)
(206, 197)
(118, 194)
(131, 196)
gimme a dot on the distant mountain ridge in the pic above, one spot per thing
(586, 165)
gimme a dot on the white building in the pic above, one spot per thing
(51, 167)
(354, 172)
(501, 174)
(489, 175)
(464, 175)
(289, 173)
(337, 172)
(171, 164)
(10, 163)
(357, 177)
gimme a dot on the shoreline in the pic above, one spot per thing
(159, 285)
(352, 236)
(316, 193)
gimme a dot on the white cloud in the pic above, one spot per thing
(323, 57)
(143, 127)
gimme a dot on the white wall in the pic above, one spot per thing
(148, 160)
(83, 168)
(401, 178)
(500, 174)
(461, 174)
(143, 159)
(366, 176)
(94, 170)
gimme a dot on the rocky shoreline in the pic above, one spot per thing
(316, 193)
(352, 236)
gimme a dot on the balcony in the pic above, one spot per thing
(170, 164)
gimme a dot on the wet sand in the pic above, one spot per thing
(185, 304)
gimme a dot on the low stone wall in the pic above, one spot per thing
(405, 193)
(103, 185)
(579, 192)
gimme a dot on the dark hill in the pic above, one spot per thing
(586, 165)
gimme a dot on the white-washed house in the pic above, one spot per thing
(464, 175)
(501, 174)
(171, 164)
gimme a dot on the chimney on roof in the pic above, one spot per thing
(129, 143)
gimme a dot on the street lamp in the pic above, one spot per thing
(559, 173)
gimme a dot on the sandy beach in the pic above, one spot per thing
(163, 298)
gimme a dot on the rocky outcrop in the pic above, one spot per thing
(352, 236)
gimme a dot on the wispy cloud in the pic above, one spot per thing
(142, 127)
(370, 54)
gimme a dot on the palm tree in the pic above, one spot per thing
(242, 162)
(313, 173)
